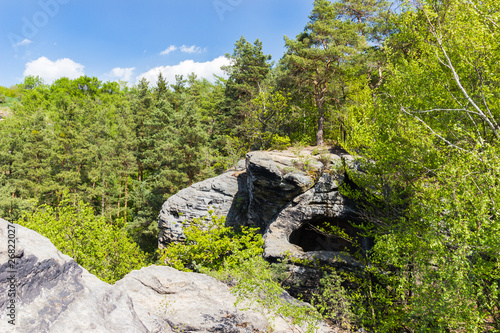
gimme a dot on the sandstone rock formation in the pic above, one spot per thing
(54, 294)
(224, 195)
(287, 194)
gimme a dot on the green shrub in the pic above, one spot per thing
(333, 301)
(9, 92)
(280, 142)
(257, 287)
(212, 246)
(234, 256)
(105, 250)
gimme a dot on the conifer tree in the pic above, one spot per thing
(249, 68)
(318, 58)
(142, 106)
(161, 87)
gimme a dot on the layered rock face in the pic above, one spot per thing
(225, 195)
(289, 195)
(54, 294)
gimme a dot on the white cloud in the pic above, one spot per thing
(24, 42)
(169, 49)
(191, 49)
(122, 74)
(183, 48)
(50, 71)
(201, 69)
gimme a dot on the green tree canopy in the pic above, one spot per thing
(103, 249)
(249, 68)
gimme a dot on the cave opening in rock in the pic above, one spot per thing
(312, 236)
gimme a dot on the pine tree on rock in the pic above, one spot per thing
(319, 57)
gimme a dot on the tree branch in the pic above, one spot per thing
(456, 77)
(430, 129)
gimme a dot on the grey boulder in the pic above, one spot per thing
(55, 294)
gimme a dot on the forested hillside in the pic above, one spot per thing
(410, 89)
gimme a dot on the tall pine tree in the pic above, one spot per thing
(249, 68)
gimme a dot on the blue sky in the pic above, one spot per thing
(128, 40)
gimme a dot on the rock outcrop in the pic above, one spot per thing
(224, 195)
(288, 195)
(54, 294)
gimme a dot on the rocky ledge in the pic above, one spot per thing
(43, 290)
(290, 195)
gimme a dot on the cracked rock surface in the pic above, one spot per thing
(284, 193)
(55, 294)
(224, 195)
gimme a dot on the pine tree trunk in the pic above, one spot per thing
(140, 172)
(321, 122)
(102, 198)
(119, 198)
(126, 195)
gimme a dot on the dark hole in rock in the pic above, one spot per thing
(311, 237)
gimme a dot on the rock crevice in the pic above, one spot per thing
(281, 192)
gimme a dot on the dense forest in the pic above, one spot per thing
(411, 89)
